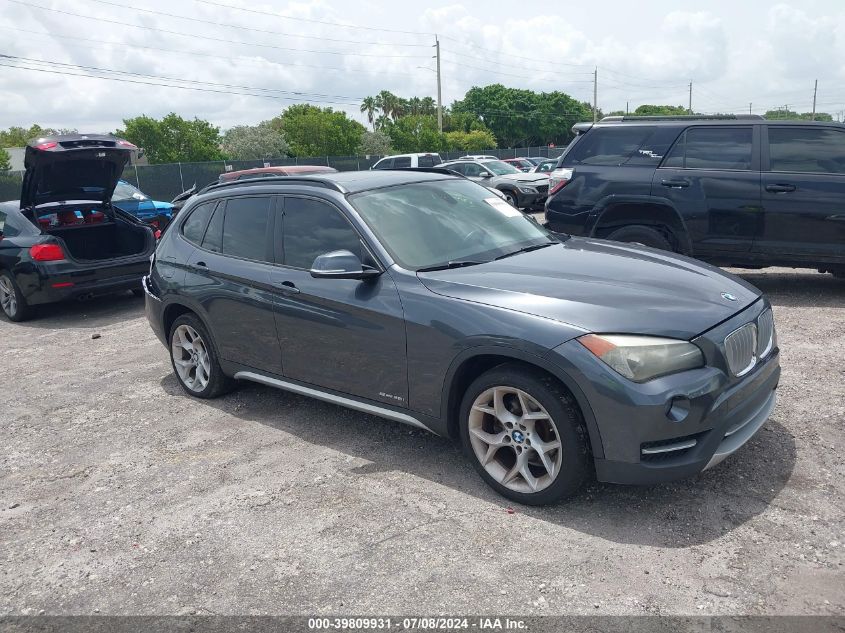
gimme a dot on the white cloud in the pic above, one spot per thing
(765, 54)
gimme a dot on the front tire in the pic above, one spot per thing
(642, 235)
(524, 435)
(195, 360)
(12, 301)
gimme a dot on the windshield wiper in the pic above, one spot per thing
(456, 263)
(527, 249)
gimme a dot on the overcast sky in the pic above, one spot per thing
(735, 53)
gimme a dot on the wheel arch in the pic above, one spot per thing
(617, 212)
(475, 361)
(173, 310)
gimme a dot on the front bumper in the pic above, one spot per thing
(678, 425)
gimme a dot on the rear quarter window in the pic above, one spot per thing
(612, 145)
(193, 228)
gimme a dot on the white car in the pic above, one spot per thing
(408, 161)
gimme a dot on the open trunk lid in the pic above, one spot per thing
(73, 167)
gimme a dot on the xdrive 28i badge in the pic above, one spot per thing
(728, 296)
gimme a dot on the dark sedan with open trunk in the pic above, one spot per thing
(64, 239)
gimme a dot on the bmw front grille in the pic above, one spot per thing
(751, 342)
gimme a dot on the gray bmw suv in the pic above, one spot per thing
(423, 298)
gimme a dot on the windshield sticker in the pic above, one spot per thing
(502, 207)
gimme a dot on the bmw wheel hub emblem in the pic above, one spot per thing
(728, 296)
(518, 437)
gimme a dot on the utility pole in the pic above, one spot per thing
(815, 91)
(749, 107)
(439, 94)
(689, 110)
(626, 107)
(595, 94)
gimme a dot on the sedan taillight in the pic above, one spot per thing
(46, 253)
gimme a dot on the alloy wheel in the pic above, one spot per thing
(190, 357)
(515, 439)
(8, 298)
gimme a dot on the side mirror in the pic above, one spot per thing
(341, 265)
(486, 174)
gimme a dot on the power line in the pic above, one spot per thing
(214, 39)
(227, 58)
(165, 85)
(165, 78)
(312, 20)
(252, 29)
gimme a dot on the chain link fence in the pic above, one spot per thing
(165, 182)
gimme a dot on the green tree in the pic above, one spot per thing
(313, 131)
(173, 139)
(522, 117)
(474, 141)
(375, 143)
(20, 136)
(248, 142)
(784, 113)
(659, 110)
(5, 160)
(416, 134)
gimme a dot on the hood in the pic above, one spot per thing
(525, 178)
(73, 168)
(603, 287)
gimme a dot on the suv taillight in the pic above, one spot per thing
(558, 179)
(46, 253)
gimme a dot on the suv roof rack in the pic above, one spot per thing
(272, 180)
(683, 117)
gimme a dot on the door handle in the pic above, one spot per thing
(288, 287)
(198, 266)
(780, 188)
(675, 184)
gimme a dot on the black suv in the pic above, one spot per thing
(728, 190)
(424, 298)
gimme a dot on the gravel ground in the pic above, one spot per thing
(120, 495)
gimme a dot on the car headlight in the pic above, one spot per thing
(526, 189)
(641, 358)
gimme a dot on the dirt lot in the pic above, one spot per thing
(119, 494)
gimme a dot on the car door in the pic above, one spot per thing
(346, 335)
(803, 195)
(229, 275)
(712, 177)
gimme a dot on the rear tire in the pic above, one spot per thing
(642, 235)
(506, 416)
(12, 301)
(194, 358)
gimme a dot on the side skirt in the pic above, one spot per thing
(349, 403)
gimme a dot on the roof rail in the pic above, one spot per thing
(432, 170)
(684, 117)
(274, 180)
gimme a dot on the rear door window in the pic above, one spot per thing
(612, 145)
(402, 161)
(213, 240)
(194, 227)
(246, 227)
(808, 150)
(712, 148)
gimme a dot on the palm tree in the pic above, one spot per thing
(370, 105)
(389, 103)
(428, 106)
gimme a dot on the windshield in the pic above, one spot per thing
(429, 224)
(125, 191)
(500, 168)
